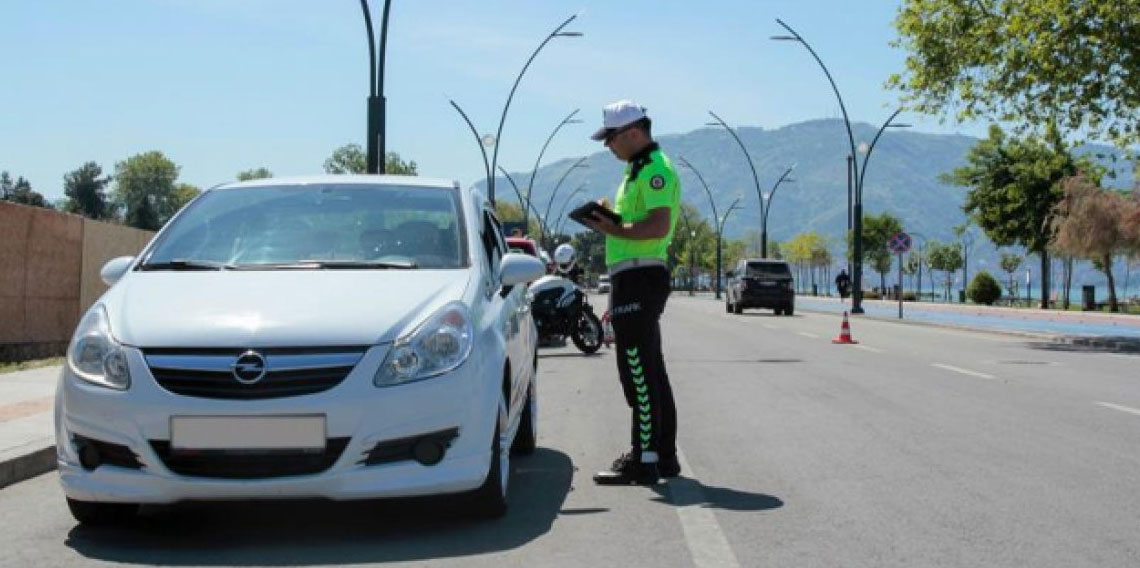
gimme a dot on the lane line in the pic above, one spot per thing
(963, 371)
(1120, 408)
(703, 535)
(806, 334)
(871, 349)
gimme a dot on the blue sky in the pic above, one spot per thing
(222, 86)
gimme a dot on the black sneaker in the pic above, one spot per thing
(668, 466)
(627, 470)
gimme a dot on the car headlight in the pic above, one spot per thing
(437, 346)
(95, 356)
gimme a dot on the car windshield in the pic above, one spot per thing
(316, 226)
(762, 269)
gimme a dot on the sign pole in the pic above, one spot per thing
(900, 286)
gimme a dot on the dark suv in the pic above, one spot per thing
(761, 283)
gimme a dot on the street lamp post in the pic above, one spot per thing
(716, 217)
(857, 173)
(765, 204)
(522, 202)
(720, 241)
(376, 101)
(581, 163)
(488, 140)
(530, 185)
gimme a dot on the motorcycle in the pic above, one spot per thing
(560, 309)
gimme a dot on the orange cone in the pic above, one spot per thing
(844, 333)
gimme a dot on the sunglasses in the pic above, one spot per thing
(617, 132)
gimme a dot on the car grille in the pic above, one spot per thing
(208, 373)
(248, 465)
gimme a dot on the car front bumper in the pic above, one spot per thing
(357, 413)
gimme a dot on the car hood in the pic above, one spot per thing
(286, 308)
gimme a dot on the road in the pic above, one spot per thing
(921, 446)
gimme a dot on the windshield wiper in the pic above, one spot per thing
(185, 264)
(368, 264)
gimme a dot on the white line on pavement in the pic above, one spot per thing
(1120, 408)
(706, 541)
(963, 371)
(806, 334)
(871, 349)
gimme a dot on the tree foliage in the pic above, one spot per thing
(249, 175)
(1090, 223)
(945, 258)
(351, 159)
(145, 190)
(984, 289)
(1010, 262)
(1032, 62)
(86, 193)
(1014, 186)
(21, 192)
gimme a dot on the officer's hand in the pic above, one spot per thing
(601, 224)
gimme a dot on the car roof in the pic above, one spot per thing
(348, 179)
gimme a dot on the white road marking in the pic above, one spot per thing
(871, 349)
(806, 334)
(1120, 408)
(703, 535)
(963, 371)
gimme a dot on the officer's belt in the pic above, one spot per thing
(635, 263)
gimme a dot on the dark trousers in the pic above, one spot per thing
(637, 299)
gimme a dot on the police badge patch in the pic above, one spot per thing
(657, 181)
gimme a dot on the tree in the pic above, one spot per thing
(946, 258)
(1014, 186)
(1029, 62)
(966, 239)
(350, 159)
(881, 262)
(249, 175)
(877, 233)
(984, 289)
(1010, 262)
(85, 192)
(184, 193)
(21, 192)
(144, 189)
(1089, 224)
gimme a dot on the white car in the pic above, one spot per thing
(344, 337)
(604, 284)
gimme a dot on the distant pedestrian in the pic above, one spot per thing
(843, 283)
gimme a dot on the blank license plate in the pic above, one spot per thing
(247, 432)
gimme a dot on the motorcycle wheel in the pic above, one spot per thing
(587, 334)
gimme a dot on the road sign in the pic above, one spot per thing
(900, 243)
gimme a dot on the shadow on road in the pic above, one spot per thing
(291, 533)
(1101, 344)
(686, 491)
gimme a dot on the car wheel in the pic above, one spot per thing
(526, 440)
(778, 311)
(737, 308)
(727, 306)
(101, 514)
(789, 311)
(489, 501)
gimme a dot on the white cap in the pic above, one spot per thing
(617, 115)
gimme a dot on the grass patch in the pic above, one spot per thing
(33, 364)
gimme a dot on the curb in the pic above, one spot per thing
(27, 466)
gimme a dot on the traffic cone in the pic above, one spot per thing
(844, 333)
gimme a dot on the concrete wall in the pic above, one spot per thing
(49, 275)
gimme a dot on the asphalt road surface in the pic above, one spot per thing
(919, 447)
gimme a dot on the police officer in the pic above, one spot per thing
(648, 201)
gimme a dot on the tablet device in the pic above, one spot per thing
(589, 209)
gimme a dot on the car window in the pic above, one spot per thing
(494, 247)
(762, 269)
(283, 224)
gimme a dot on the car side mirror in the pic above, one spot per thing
(115, 269)
(517, 268)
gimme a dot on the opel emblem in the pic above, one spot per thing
(249, 368)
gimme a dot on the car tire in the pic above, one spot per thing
(789, 311)
(526, 440)
(588, 333)
(727, 306)
(101, 514)
(489, 501)
(778, 311)
(737, 308)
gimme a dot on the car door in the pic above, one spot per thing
(504, 310)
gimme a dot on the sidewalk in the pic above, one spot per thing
(1083, 326)
(27, 442)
